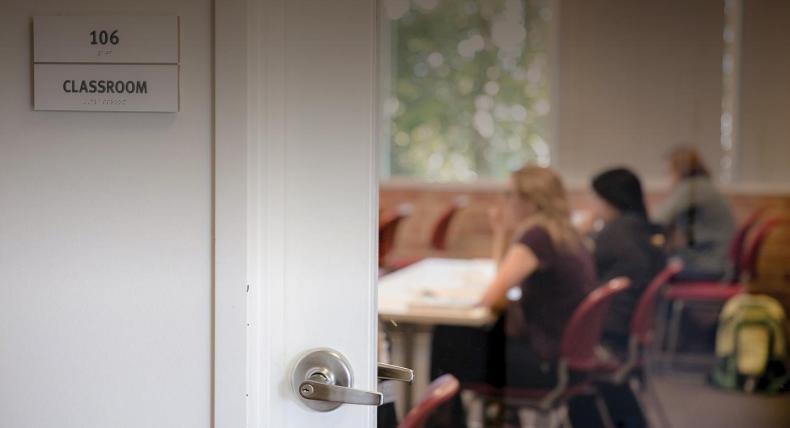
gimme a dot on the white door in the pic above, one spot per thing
(296, 204)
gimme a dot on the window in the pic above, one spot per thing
(466, 87)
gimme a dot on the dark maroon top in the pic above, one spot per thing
(550, 294)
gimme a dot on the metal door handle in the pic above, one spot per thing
(314, 390)
(322, 380)
(390, 372)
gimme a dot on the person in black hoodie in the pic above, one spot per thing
(627, 245)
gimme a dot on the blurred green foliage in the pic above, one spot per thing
(469, 90)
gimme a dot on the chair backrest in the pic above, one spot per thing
(442, 225)
(438, 392)
(757, 244)
(389, 221)
(737, 250)
(776, 232)
(643, 318)
(583, 332)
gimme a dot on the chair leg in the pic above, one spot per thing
(603, 411)
(660, 339)
(674, 330)
(554, 418)
(565, 419)
(494, 412)
(638, 387)
(528, 418)
(474, 405)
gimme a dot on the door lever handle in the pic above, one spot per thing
(390, 372)
(319, 391)
(322, 379)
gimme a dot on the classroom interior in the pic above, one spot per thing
(606, 84)
(430, 188)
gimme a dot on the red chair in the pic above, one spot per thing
(642, 326)
(578, 356)
(389, 221)
(641, 335)
(679, 294)
(738, 252)
(442, 225)
(438, 240)
(752, 254)
(439, 391)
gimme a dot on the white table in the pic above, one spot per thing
(431, 292)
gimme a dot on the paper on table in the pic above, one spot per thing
(436, 284)
(456, 298)
(433, 274)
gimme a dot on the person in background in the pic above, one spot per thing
(698, 218)
(544, 272)
(626, 245)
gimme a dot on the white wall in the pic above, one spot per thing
(635, 78)
(638, 76)
(105, 279)
(765, 94)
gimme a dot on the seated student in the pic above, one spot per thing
(544, 272)
(545, 263)
(699, 214)
(627, 245)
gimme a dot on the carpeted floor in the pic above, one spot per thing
(690, 403)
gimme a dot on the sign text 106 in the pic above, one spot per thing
(103, 37)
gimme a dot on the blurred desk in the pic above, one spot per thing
(430, 292)
(437, 291)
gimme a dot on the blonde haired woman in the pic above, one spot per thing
(543, 266)
(544, 272)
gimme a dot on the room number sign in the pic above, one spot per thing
(106, 63)
(106, 39)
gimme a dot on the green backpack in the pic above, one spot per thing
(751, 348)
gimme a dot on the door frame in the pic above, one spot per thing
(230, 203)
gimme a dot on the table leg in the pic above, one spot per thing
(421, 360)
(407, 334)
(411, 347)
(401, 339)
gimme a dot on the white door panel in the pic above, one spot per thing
(313, 201)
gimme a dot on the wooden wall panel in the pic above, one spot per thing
(470, 235)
